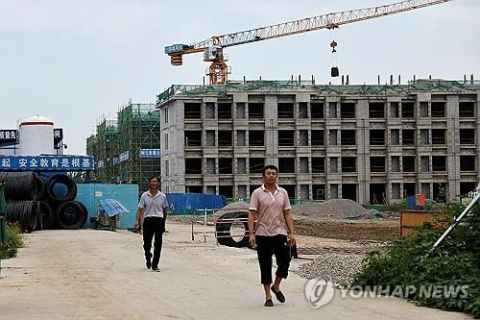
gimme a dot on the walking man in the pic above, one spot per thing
(152, 211)
(270, 207)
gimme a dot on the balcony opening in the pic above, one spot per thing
(377, 193)
(225, 165)
(193, 110)
(347, 110)
(438, 109)
(438, 136)
(256, 138)
(318, 137)
(439, 163)
(349, 164)
(467, 163)
(377, 137)
(286, 110)
(193, 166)
(377, 164)
(349, 191)
(408, 164)
(193, 138)
(224, 110)
(467, 136)
(318, 191)
(225, 138)
(255, 110)
(256, 165)
(318, 165)
(408, 110)
(377, 110)
(348, 137)
(286, 138)
(286, 165)
(316, 110)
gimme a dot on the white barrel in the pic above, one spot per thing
(36, 136)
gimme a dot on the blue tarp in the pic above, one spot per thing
(112, 207)
(178, 202)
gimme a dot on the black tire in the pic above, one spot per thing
(67, 182)
(70, 215)
(224, 230)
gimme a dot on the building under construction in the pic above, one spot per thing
(127, 150)
(369, 143)
(103, 148)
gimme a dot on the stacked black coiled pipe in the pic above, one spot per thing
(23, 213)
(61, 192)
(22, 186)
(35, 205)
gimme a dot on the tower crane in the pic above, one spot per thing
(213, 48)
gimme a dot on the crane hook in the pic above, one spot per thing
(333, 45)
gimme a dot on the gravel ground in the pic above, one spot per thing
(338, 268)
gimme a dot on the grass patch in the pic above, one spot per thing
(14, 242)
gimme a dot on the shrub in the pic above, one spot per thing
(410, 261)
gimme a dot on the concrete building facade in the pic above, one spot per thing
(370, 143)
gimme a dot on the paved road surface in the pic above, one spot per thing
(93, 274)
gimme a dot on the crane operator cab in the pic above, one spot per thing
(212, 53)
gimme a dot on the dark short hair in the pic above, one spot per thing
(153, 177)
(268, 166)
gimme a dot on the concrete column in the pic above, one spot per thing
(271, 129)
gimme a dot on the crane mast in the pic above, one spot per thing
(213, 47)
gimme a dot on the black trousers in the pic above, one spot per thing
(153, 227)
(266, 246)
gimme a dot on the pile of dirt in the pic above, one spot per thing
(234, 207)
(335, 208)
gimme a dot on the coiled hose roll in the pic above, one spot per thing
(46, 214)
(22, 186)
(23, 213)
(60, 188)
(71, 215)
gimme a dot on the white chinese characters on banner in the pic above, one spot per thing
(64, 163)
(150, 153)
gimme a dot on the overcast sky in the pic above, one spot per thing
(76, 61)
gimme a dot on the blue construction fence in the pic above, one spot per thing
(127, 194)
(185, 203)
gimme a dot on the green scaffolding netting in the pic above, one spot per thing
(432, 85)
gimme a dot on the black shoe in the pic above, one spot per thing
(279, 295)
(268, 303)
(148, 263)
(156, 269)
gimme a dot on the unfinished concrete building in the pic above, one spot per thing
(370, 143)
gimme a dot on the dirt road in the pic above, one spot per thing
(93, 274)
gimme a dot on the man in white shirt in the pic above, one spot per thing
(152, 211)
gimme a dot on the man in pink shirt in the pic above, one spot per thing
(273, 232)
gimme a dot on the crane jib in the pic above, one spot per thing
(218, 70)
